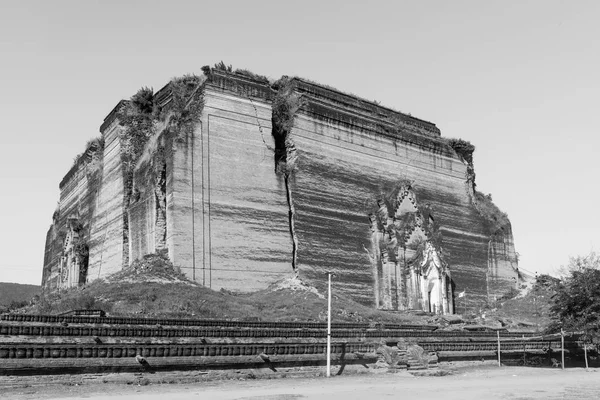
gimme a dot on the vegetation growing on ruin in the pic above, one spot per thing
(93, 153)
(93, 149)
(464, 149)
(495, 218)
(185, 109)
(91, 158)
(147, 131)
(143, 119)
(95, 144)
(221, 66)
(285, 106)
(136, 116)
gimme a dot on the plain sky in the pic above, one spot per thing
(519, 79)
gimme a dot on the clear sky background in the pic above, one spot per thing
(519, 79)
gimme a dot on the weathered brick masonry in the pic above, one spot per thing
(242, 197)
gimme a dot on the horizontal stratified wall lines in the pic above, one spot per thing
(296, 129)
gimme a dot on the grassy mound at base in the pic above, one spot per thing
(531, 309)
(152, 287)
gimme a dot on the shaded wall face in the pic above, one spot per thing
(142, 213)
(92, 194)
(502, 262)
(227, 213)
(52, 254)
(342, 172)
(142, 226)
(78, 201)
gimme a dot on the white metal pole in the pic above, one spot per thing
(585, 353)
(562, 348)
(524, 352)
(498, 334)
(329, 325)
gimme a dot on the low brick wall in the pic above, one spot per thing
(68, 344)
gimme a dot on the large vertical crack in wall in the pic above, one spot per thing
(136, 116)
(160, 193)
(285, 106)
(149, 125)
(291, 216)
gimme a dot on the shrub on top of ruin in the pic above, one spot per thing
(205, 70)
(143, 101)
(285, 106)
(223, 67)
(495, 218)
(93, 151)
(185, 109)
(95, 144)
(138, 110)
(136, 116)
(463, 148)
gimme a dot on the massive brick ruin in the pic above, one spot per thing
(243, 182)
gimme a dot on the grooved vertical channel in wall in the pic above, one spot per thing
(206, 203)
(203, 161)
(198, 207)
(193, 207)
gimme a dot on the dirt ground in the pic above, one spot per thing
(466, 381)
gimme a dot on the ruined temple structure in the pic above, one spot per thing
(241, 182)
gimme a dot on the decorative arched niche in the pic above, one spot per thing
(407, 262)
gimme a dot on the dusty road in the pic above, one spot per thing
(505, 383)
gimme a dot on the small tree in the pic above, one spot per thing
(577, 301)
